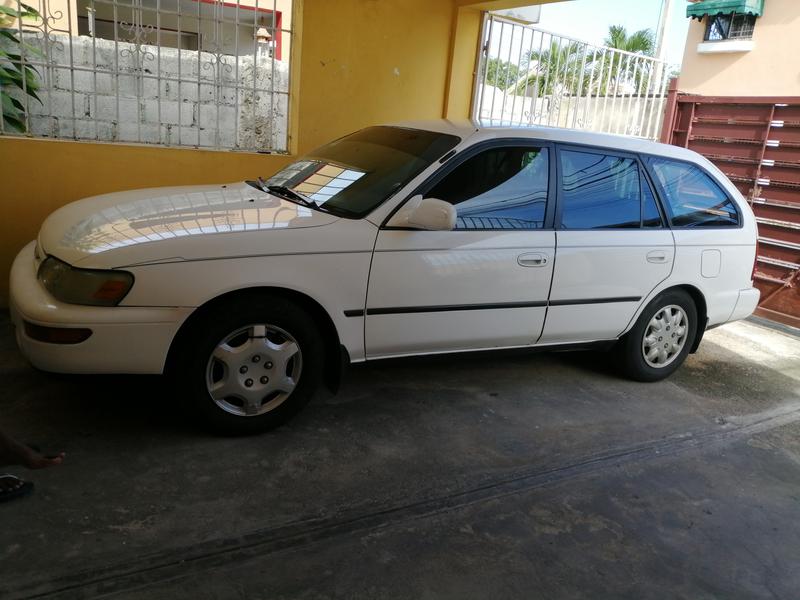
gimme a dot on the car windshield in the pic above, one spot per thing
(354, 174)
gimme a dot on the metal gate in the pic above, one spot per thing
(755, 141)
(529, 76)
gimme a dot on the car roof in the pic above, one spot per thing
(494, 129)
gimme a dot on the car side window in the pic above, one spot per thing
(692, 198)
(599, 191)
(500, 188)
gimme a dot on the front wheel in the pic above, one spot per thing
(250, 365)
(661, 338)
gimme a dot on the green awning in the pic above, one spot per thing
(698, 10)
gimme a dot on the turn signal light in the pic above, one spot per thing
(111, 290)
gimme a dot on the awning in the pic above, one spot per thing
(698, 10)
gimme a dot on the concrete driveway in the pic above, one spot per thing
(510, 475)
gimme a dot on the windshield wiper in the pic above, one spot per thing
(283, 192)
(289, 194)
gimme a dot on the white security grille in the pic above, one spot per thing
(529, 76)
(197, 73)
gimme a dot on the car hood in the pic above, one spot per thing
(187, 222)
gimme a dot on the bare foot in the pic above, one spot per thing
(13, 452)
(36, 460)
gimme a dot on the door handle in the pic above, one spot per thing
(657, 256)
(532, 259)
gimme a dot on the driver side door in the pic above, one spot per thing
(484, 284)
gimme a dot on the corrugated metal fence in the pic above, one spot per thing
(755, 141)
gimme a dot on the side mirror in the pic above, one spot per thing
(425, 213)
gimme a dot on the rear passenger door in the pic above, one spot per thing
(612, 245)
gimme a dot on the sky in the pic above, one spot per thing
(589, 20)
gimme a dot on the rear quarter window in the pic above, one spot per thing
(691, 197)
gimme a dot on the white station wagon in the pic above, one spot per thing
(410, 239)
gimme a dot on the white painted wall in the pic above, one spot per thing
(112, 93)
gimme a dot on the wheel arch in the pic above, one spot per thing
(702, 313)
(337, 357)
(699, 300)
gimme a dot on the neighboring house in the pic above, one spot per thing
(742, 48)
(229, 27)
(737, 101)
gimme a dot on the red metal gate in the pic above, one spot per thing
(755, 141)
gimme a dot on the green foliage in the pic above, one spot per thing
(569, 67)
(614, 72)
(639, 42)
(17, 78)
(501, 74)
(558, 63)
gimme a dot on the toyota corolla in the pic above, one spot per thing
(400, 240)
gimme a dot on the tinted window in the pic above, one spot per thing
(501, 188)
(599, 191)
(692, 198)
(354, 174)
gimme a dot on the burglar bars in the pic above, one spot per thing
(198, 73)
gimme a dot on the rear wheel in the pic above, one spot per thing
(250, 365)
(661, 338)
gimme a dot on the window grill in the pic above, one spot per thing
(730, 26)
(192, 73)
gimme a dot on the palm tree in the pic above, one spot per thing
(556, 69)
(639, 42)
(616, 69)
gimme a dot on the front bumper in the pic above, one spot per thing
(124, 339)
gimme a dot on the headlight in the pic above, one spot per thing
(84, 286)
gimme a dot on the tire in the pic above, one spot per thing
(238, 371)
(646, 359)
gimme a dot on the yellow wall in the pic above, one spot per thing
(367, 61)
(463, 53)
(355, 63)
(771, 68)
